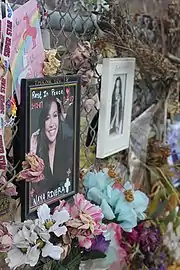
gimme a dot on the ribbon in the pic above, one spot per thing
(4, 65)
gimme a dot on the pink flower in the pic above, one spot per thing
(84, 206)
(116, 238)
(117, 229)
(86, 221)
(132, 237)
(5, 237)
(9, 189)
(62, 204)
(33, 168)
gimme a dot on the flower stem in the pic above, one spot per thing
(3, 186)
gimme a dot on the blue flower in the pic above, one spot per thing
(126, 206)
(99, 180)
(128, 211)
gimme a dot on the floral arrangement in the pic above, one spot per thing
(70, 234)
(108, 228)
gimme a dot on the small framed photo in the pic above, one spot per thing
(115, 106)
(49, 127)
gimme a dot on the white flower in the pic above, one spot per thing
(53, 223)
(17, 257)
(49, 250)
(25, 237)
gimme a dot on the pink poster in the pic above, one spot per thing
(27, 54)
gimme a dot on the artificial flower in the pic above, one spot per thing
(86, 221)
(62, 205)
(115, 253)
(100, 180)
(125, 205)
(31, 239)
(33, 168)
(17, 257)
(5, 237)
(53, 223)
(149, 237)
(131, 237)
(24, 250)
(130, 206)
(99, 244)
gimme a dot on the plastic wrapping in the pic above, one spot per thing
(140, 130)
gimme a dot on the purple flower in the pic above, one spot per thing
(99, 244)
(149, 238)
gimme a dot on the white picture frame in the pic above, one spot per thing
(115, 107)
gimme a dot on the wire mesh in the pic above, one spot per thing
(67, 24)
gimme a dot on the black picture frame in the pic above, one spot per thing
(31, 91)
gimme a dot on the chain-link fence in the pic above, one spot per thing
(64, 25)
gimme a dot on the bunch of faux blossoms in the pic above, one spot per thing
(56, 235)
(119, 201)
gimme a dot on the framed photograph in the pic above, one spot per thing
(115, 106)
(49, 127)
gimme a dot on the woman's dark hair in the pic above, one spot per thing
(114, 96)
(42, 149)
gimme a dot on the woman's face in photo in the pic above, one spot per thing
(52, 123)
(117, 89)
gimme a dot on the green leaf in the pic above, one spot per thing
(154, 203)
(73, 261)
(93, 255)
(53, 265)
(171, 217)
(160, 209)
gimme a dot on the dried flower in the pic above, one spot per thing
(5, 237)
(82, 61)
(157, 153)
(149, 237)
(112, 173)
(33, 168)
(51, 63)
(9, 189)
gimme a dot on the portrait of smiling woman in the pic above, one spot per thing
(53, 142)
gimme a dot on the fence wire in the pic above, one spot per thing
(64, 24)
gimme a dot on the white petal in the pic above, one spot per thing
(58, 231)
(28, 223)
(15, 258)
(41, 230)
(33, 256)
(43, 212)
(49, 250)
(20, 241)
(61, 217)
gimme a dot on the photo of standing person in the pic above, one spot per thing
(53, 142)
(116, 120)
